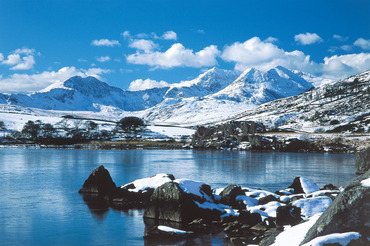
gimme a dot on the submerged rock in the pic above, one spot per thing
(99, 182)
(362, 161)
(350, 211)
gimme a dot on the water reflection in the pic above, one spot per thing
(40, 203)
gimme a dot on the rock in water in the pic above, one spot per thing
(170, 202)
(363, 161)
(350, 211)
(99, 182)
(303, 185)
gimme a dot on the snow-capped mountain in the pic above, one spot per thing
(86, 94)
(250, 89)
(205, 84)
(255, 87)
(337, 106)
(212, 96)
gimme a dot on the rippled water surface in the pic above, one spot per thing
(40, 204)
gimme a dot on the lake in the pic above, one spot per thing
(40, 204)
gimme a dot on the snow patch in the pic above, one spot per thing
(308, 186)
(334, 238)
(293, 236)
(312, 206)
(170, 229)
(366, 182)
(151, 182)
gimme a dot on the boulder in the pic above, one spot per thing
(250, 219)
(229, 194)
(137, 193)
(303, 185)
(266, 199)
(99, 182)
(350, 211)
(288, 215)
(362, 161)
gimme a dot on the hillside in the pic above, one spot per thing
(337, 107)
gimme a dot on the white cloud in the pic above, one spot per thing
(363, 43)
(20, 59)
(140, 84)
(34, 82)
(169, 35)
(103, 58)
(26, 63)
(263, 56)
(81, 60)
(176, 56)
(340, 38)
(143, 44)
(12, 59)
(271, 40)
(126, 34)
(25, 51)
(346, 47)
(105, 42)
(345, 65)
(307, 38)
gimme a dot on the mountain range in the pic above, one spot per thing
(209, 94)
(279, 98)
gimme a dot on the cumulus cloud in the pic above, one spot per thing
(103, 58)
(105, 42)
(176, 56)
(169, 35)
(363, 43)
(20, 59)
(140, 84)
(143, 44)
(34, 82)
(271, 40)
(263, 55)
(345, 65)
(307, 38)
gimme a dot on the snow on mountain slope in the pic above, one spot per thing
(338, 106)
(86, 94)
(256, 88)
(212, 96)
(207, 83)
(250, 89)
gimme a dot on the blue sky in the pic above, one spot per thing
(158, 42)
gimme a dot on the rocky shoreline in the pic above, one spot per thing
(182, 209)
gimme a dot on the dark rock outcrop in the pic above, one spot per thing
(350, 211)
(169, 202)
(362, 161)
(99, 182)
(302, 185)
(288, 215)
(229, 135)
(229, 194)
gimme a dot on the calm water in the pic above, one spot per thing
(40, 204)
